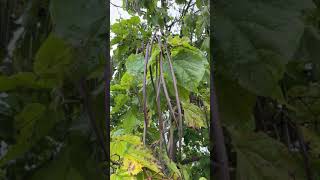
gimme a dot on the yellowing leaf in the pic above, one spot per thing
(135, 156)
(194, 117)
(133, 167)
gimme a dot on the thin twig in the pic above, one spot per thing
(115, 5)
(87, 106)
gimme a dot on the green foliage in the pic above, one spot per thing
(49, 63)
(77, 21)
(135, 64)
(193, 115)
(71, 163)
(26, 80)
(135, 156)
(261, 157)
(42, 116)
(190, 67)
(255, 48)
(267, 80)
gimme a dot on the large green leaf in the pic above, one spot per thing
(53, 57)
(189, 65)
(135, 64)
(259, 157)
(257, 39)
(77, 20)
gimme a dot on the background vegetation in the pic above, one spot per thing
(267, 80)
(52, 89)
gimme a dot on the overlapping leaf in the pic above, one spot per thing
(26, 80)
(71, 163)
(254, 45)
(53, 58)
(131, 149)
(77, 20)
(193, 115)
(189, 67)
(31, 124)
(259, 157)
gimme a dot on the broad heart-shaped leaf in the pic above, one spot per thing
(32, 123)
(53, 57)
(74, 161)
(77, 20)
(135, 64)
(254, 45)
(189, 65)
(194, 117)
(259, 157)
(130, 148)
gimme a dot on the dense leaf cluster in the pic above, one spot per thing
(55, 53)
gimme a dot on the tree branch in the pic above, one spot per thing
(87, 106)
(115, 5)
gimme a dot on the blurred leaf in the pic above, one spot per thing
(53, 58)
(77, 20)
(254, 47)
(33, 123)
(71, 163)
(261, 157)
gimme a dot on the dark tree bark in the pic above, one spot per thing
(219, 155)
